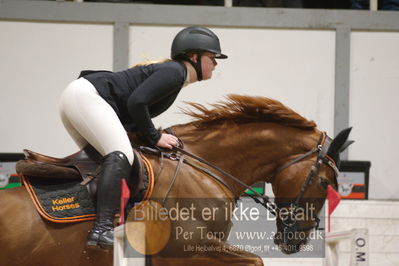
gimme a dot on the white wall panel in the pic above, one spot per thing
(37, 61)
(293, 66)
(381, 218)
(374, 109)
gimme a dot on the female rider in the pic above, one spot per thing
(100, 106)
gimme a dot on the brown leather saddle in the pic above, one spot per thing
(84, 165)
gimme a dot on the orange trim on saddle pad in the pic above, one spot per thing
(151, 179)
(45, 214)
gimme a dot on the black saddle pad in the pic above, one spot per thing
(66, 200)
(60, 200)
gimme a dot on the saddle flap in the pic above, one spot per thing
(136, 179)
(141, 180)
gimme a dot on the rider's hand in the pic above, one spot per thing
(167, 141)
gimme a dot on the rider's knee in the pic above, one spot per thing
(126, 154)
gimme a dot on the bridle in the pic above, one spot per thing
(321, 149)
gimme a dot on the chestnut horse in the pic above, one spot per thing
(254, 139)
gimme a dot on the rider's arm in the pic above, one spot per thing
(158, 86)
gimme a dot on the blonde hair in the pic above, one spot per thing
(147, 62)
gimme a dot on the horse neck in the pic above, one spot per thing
(250, 152)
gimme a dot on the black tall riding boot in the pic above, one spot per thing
(115, 166)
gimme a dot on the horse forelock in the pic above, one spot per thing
(246, 109)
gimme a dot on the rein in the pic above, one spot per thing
(177, 157)
(321, 149)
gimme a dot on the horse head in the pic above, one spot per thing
(301, 189)
(270, 143)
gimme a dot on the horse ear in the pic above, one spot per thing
(339, 143)
(346, 145)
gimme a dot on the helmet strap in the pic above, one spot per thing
(197, 65)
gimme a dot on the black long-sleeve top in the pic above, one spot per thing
(140, 93)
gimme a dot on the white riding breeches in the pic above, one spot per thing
(88, 118)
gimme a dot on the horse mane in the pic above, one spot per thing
(246, 109)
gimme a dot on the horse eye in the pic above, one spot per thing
(324, 183)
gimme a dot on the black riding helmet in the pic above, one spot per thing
(195, 40)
